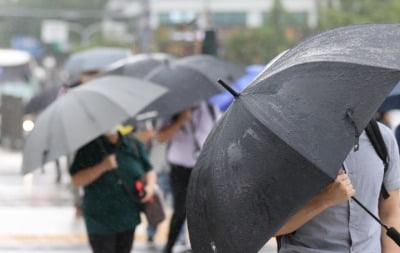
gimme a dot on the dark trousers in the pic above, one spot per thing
(179, 183)
(116, 243)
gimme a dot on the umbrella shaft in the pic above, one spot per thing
(226, 86)
(369, 212)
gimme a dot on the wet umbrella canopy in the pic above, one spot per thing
(41, 100)
(94, 59)
(186, 86)
(212, 67)
(189, 80)
(138, 65)
(83, 114)
(285, 137)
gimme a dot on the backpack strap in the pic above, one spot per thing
(375, 136)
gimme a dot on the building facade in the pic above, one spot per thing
(223, 13)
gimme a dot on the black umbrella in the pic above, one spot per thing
(138, 65)
(41, 100)
(186, 87)
(212, 67)
(392, 102)
(285, 137)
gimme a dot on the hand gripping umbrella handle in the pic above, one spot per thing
(391, 232)
(394, 234)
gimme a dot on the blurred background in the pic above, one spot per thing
(37, 37)
(244, 32)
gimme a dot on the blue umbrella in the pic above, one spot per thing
(392, 102)
(224, 99)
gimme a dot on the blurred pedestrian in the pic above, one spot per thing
(107, 168)
(157, 156)
(186, 133)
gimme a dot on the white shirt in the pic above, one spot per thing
(187, 142)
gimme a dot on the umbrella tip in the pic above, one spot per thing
(229, 89)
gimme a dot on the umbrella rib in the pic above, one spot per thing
(45, 157)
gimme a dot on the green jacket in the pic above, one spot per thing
(107, 208)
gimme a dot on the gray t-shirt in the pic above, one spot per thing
(347, 227)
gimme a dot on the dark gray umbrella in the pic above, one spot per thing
(41, 100)
(285, 137)
(212, 67)
(186, 87)
(83, 114)
(138, 65)
(392, 102)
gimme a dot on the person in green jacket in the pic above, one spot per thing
(110, 214)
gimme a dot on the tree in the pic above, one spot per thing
(334, 13)
(257, 46)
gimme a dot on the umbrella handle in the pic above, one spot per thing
(394, 234)
(391, 232)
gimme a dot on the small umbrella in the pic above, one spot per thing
(138, 65)
(392, 102)
(84, 113)
(285, 137)
(212, 67)
(41, 100)
(94, 59)
(186, 87)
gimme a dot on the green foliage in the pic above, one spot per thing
(282, 30)
(252, 46)
(346, 12)
(257, 46)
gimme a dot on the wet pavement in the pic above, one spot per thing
(37, 214)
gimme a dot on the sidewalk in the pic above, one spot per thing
(36, 214)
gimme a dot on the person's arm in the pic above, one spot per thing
(151, 180)
(166, 133)
(90, 174)
(389, 213)
(336, 193)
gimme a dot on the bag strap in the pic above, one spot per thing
(375, 136)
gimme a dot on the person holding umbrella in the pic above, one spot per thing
(186, 134)
(283, 141)
(106, 167)
(331, 221)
